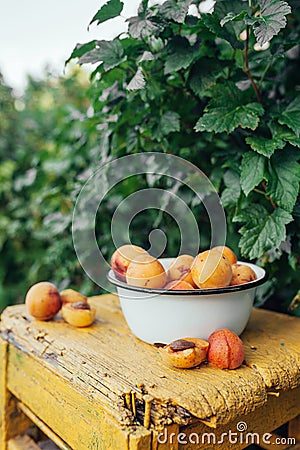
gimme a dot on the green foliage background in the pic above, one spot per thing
(178, 83)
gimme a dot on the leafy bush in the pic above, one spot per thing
(47, 145)
(219, 90)
(176, 83)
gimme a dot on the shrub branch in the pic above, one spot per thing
(247, 70)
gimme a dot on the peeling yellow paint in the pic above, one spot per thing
(100, 388)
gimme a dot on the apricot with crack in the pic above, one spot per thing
(185, 353)
(211, 269)
(122, 257)
(79, 314)
(230, 255)
(225, 349)
(242, 274)
(43, 300)
(146, 271)
(180, 285)
(180, 269)
(72, 296)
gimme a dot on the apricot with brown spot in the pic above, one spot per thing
(225, 349)
(43, 300)
(122, 257)
(185, 353)
(180, 269)
(230, 255)
(242, 274)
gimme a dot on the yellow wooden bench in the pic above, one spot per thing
(102, 388)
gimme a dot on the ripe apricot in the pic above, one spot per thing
(185, 353)
(72, 296)
(180, 269)
(225, 349)
(79, 314)
(122, 257)
(146, 271)
(211, 269)
(230, 255)
(180, 285)
(242, 274)
(43, 300)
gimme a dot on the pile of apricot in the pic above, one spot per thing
(215, 268)
(224, 349)
(44, 301)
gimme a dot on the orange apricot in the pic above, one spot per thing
(79, 314)
(180, 269)
(185, 353)
(72, 296)
(230, 255)
(180, 285)
(225, 349)
(242, 274)
(211, 269)
(146, 271)
(43, 300)
(122, 257)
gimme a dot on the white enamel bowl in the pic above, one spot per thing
(158, 315)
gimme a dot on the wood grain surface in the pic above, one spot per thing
(108, 365)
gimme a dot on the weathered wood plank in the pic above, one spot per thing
(106, 361)
(140, 439)
(12, 422)
(294, 428)
(3, 395)
(77, 419)
(257, 426)
(160, 443)
(272, 345)
(43, 427)
(22, 443)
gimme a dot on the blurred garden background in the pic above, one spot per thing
(160, 86)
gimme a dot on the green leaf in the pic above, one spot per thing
(271, 19)
(111, 9)
(283, 179)
(252, 215)
(290, 116)
(169, 122)
(110, 53)
(181, 55)
(265, 146)
(204, 74)
(229, 109)
(142, 9)
(81, 49)
(252, 171)
(284, 133)
(141, 27)
(212, 22)
(137, 82)
(229, 30)
(175, 10)
(232, 17)
(265, 232)
(233, 188)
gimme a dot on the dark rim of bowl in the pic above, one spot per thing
(240, 287)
